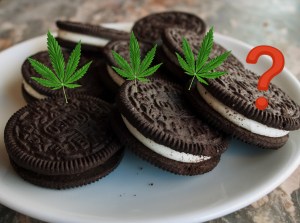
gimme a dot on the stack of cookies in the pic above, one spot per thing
(178, 130)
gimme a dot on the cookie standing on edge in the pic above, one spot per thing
(93, 37)
(157, 123)
(91, 82)
(149, 28)
(58, 145)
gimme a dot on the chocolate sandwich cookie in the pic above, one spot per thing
(91, 82)
(228, 103)
(58, 145)
(92, 37)
(156, 122)
(172, 42)
(111, 79)
(149, 28)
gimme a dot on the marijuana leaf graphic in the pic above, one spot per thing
(135, 69)
(201, 68)
(63, 76)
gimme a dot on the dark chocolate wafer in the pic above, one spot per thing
(149, 28)
(172, 71)
(70, 180)
(92, 37)
(51, 139)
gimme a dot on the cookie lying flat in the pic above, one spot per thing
(228, 103)
(91, 83)
(58, 145)
(158, 125)
(172, 42)
(93, 37)
(149, 28)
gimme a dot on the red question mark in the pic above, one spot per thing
(265, 79)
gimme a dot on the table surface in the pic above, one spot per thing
(256, 22)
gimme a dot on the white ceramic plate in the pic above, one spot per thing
(137, 191)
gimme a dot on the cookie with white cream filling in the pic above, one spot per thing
(93, 37)
(228, 103)
(163, 125)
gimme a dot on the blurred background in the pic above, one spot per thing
(256, 22)
(270, 22)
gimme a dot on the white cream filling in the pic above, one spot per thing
(239, 119)
(32, 92)
(163, 150)
(170, 55)
(114, 76)
(85, 39)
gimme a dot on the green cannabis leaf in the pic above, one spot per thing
(201, 68)
(135, 69)
(63, 76)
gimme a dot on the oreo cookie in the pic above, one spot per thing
(172, 42)
(92, 37)
(228, 103)
(113, 80)
(58, 145)
(149, 28)
(158, 124)
(91, 82)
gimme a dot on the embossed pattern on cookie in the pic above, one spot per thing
(149, 28)
(160, 111)
(52, 138)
